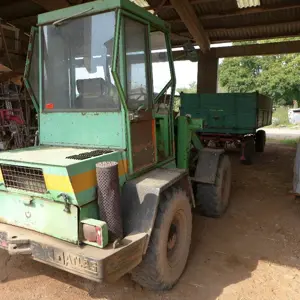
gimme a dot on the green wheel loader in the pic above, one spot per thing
(110, 185)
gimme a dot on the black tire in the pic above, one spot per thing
(162, 266)
(260, 141)
(248, 151)
(213, 199)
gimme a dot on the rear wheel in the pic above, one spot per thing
(169, 244)
(260, 141)
(213, 199)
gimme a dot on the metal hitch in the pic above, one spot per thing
(18, 246)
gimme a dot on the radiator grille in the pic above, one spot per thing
(24, 178)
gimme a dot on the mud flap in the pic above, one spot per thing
(140, 198)
(207, 165)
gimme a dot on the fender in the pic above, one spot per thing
(207, 165)
(140, 198)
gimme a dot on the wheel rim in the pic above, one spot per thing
(176, 234)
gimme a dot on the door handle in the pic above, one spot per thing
(134, 117)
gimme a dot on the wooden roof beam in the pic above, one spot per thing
(234, 51)
(259, 49)
(247, 39)
(169, 5)
(267, 26)
(52, 4)
(187, 14)
(30, 21)
(215, 40)
(249, 50)
(158, 8)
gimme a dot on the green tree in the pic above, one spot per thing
(277, 76)
(239, 75)
(192, 88)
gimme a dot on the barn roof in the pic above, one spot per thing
(229, 20)
(217, 20)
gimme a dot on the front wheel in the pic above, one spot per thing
(213, 199)
(169, 244)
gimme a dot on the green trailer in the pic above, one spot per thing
(109, 187)
(231, 118)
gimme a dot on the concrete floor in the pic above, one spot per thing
(282, 133)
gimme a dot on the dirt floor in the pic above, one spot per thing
(253, 252)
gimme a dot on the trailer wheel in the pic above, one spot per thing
(169, 244)
(248, 151)
(260, 141)
(213, 199)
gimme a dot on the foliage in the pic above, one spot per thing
(290, 142)
(277, 76)
(192, 88)
(188, 90)
(281, 114)
(176, 104)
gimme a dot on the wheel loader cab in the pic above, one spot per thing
(97, 83)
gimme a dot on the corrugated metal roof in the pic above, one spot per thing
(222, 19)
(247, 3)
(225, 21)
(259, 19)
(255, 32)
(142, 3)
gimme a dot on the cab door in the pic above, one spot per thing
(139, 95)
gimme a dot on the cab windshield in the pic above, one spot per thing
(77, 57)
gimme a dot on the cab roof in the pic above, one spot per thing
(96, 7)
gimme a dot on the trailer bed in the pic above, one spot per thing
(228, 113)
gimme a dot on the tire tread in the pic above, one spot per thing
(208, 196)
(148, 273)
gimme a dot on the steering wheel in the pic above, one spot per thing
(139, 95)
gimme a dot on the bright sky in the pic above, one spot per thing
(186, 71)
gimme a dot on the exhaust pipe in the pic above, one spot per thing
(109, 198)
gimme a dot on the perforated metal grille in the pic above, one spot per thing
(24, 178)
(86, 155)
(109, 197)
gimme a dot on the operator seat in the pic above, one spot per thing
(94, 94)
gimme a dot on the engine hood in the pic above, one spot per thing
(49, 171)
(55, 156)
